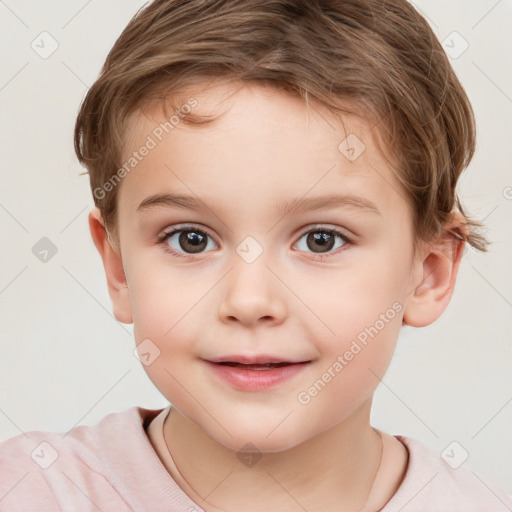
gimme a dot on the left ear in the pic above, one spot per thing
(439, 266)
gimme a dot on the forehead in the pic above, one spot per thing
(266, 144)
(269, 111)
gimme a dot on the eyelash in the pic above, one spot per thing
(162, 240)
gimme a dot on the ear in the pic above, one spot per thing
(438, 270)
(116, 279)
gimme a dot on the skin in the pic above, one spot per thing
(268, 148)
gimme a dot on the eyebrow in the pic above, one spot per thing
(290, 206)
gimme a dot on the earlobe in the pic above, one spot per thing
(439, 266)
(114, 270)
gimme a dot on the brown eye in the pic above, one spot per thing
(322, 240)
(192, 241)
(186, 241)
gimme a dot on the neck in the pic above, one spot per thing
(335, 470)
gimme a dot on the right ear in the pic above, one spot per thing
(114, 270)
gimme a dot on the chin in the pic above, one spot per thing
(246, 443)
(255, 437)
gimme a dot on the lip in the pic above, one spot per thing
(253, 359)
(256, 380)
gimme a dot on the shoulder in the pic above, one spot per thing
(433, 484)
(53, 471)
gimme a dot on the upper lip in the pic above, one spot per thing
(253, 359)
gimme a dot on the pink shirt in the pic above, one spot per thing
(112, 466)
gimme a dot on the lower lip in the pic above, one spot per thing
(255, 380)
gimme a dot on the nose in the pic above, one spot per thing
(252, 294)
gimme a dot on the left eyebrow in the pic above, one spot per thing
(302, 204)
(290, 206)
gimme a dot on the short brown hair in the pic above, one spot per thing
(381, 57)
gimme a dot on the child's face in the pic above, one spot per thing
(228, 299)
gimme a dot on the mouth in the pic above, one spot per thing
(255, 373)
(262, 366)
(255, 362)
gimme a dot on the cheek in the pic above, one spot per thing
(353, 364)
(165, 311)
(169, 308)
(350, 300)
(162, 298)
(361, 311)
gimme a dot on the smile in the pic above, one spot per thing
(255, 376)
(264, 366)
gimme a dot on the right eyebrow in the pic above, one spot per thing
(173, 201)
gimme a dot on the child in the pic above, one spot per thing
(285, 125)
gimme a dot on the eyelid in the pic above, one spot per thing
(326, 227)
(183, 227)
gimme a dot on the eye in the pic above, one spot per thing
(188, 240)
(322, 239)
(185, 238)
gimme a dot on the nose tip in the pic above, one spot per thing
(251, 295)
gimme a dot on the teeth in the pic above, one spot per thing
(261, 367)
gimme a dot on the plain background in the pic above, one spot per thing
(66, 361)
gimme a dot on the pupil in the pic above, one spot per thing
(324, 241)
(192, 241)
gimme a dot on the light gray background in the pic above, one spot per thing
(65, 360)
